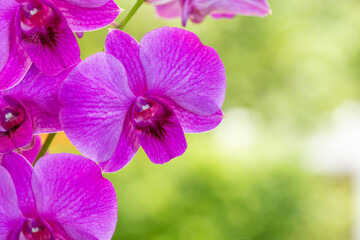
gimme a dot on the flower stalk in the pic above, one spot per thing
(131, 14)
(45, 147)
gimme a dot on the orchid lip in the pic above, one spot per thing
(35, 15)
(144, 110)
(149, 116)
(11, 118)
(35, 229)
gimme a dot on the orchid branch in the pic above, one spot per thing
(131, 13)
(45, 147)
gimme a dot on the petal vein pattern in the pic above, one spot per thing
(177, 85)
(96, 97)
(70, 197)
(41, 32)
(191, 74)
(197, 10)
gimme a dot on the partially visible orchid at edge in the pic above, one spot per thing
(63, 197)
(41, 32)
(30, 108)
(197, 10)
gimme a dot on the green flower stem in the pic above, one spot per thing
(45, 147)
(131, 13)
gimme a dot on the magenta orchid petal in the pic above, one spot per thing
(50, 43)
(71, 193)
(10, 214)
(193, 123)
(126, 49)
(7, 14)
(7, 145)
(191, 74)
(161, 137)
(15, 124)
(65, 197)
(31, 150)
(258, 8)
(223, 15)
(82, 3)
(170, 9)
(96, 98)
(186, 11)
(39, 93)
(197, 10)
(126, 149)
(41, 31)
(15, 164)
(86, 17)
(4, 41)
(16, 233)
(17, 63)
(31, 107)
(43, 121)
(79, 34)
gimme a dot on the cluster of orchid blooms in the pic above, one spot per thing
(134, 94)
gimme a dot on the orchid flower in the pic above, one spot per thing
(145, 94)
(197, 10)
(41, 32)
(30, 108)
(64, 196)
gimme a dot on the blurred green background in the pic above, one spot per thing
(285, 73)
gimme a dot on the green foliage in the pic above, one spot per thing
(193, 200)
(208, 202)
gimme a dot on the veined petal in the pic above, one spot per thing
(39, 93)
(186, 11)
(20, 171)
(168, 9)
(193, 123)
(6, 20)
(177, 65)
(259, 8)
(17, 62)
(125, 48)
(163, 139)
(126, 149)
(96, 98)
(10, 214)
(4, 42)
(87, 16)
(71, 193)
(51, 46)
(82, 3)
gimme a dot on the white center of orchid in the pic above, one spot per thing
(35, 230)
(34, 11)
(145, 107)
(9, 116)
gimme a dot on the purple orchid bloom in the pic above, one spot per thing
(64, 196)
(147, 94)
(41, 31)
(30, 108)
(197, 10)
